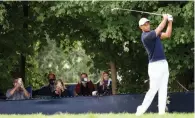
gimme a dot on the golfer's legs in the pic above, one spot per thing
(150, 95)
(155, 75)
(162, 93)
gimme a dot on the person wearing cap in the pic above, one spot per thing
(158, 69)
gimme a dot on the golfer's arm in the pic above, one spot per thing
(168, 32)
(161, 26)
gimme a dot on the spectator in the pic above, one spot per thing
(60, 89)
(18, 92)
(105, 85)
(85, 86)
(49, 89)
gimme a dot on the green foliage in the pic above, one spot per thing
(66, 65)
(104, 35)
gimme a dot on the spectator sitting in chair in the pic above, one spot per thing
(49, 89)
(85, 86)
(18, 92)
(105, 85)
(60, 89)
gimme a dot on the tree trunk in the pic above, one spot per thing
(22, 67)
(114, 77)
(25, 26)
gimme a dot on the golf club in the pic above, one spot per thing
(136, 11)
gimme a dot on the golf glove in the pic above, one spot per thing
(170, 17)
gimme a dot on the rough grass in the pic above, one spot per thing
(91, 115)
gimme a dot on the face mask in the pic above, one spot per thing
(85, 79)
(52, 81)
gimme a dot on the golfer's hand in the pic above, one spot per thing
(170, 17)
(165, 16)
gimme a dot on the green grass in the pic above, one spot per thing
(90, 115)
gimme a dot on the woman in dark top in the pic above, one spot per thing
(60, 89)
(105, 85)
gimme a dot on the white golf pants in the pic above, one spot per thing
(159, 73)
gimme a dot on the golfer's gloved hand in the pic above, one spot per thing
(170, 17)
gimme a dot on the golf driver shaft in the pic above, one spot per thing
(137, 11)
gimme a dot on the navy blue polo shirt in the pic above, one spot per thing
(153, 46)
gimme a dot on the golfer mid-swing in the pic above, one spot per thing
(158, 67)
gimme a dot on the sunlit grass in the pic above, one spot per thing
(92, 115)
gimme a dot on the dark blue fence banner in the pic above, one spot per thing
(179, 102)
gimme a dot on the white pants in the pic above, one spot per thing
(159, 73)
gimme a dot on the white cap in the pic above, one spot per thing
(143, 21)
